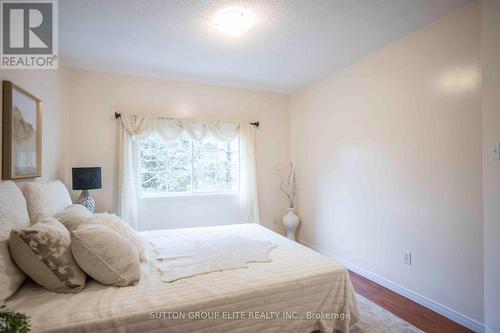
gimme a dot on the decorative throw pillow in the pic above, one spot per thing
(43, 252)
(117, 224)
(45, 198)
(105, 255)
(73, 216)
(13, 214)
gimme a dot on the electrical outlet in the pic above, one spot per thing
(496, 152)
(407, 258)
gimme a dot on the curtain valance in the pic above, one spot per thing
(170, 129)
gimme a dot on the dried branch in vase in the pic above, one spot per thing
(288, 186)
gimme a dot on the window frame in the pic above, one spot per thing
(142, 196)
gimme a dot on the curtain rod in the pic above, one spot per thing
(256, 124)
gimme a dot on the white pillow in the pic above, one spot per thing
(117, 224)
(13, 215)
(73, 216)
(46, 198)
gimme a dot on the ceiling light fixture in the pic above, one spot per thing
(233, 22)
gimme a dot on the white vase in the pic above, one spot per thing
(291, 222)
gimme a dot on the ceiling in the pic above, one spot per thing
(293, 43)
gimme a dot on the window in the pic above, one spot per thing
(186, 166)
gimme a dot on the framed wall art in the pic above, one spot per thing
(21, 133)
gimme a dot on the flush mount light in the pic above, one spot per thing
(233, 22)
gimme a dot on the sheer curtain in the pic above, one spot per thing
(249, 203)
(137, 127)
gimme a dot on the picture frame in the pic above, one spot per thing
(21, 133)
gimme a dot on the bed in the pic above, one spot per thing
(299, 291)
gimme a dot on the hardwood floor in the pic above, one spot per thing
(417, 315)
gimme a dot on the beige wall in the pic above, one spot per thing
(388, 152)
(52, 87)
(93, 139)
(490, 58)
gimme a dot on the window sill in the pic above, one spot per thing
(187, 196)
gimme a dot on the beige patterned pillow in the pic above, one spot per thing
(105, 255)
(43, 252)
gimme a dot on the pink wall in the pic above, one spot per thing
(52, 87)
(490, 91)
(388, 152)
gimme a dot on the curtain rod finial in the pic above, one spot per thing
(117, 115)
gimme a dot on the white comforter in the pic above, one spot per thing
(299, 291)
(185, 257)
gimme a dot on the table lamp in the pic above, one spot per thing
(86, 179)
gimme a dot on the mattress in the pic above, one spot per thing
(299, 291)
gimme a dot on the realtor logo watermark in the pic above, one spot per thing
(29, 34)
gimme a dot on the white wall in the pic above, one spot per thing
(198, 211)
(93, 139)
(490, 59)
(388, 152)
(52, 87)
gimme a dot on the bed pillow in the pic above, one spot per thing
(43, 252)
(45, 198)
(105, 255)
(73, 216)
(117, 224)
(13, 214)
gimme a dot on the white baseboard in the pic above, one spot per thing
(451, 314)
